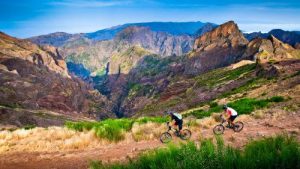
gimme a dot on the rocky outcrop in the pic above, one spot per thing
(33, 77)
(220, 47)
(289, 37)
(269, 50)
(48, 56)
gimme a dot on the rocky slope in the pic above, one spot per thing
(36, 78)
(94, 56)
(156, 84)
(143, 72)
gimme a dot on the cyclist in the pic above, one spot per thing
(231, 113)
(177, 118)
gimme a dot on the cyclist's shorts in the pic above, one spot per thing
(232, 117)
(179, 123)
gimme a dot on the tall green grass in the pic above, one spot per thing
(112, 129)
(281, 152)
(242, 106)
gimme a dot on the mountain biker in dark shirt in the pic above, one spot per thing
(177, 118)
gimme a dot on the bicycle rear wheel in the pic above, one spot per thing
(165, 137)
(185, 134)
(219, 129)
(238, 126)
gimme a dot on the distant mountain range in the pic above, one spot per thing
(173, 28)
(290, 37)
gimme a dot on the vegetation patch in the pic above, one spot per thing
(249, 85)
(113, 129)
(29, 126)
(275, 152)
(222, 75)
(242, 106)
(136, 89)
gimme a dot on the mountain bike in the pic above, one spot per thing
(167, 137)
(220, 128)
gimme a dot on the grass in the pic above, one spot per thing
(249, 85)
(242, 106)
(160, 106)
(221, 75)
(113, 129)
(269, 153)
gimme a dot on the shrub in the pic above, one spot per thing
(112, 129)
(29, 126)
(276, 152)
(276, 99)
(213, 104)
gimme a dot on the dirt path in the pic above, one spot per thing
(254, 128)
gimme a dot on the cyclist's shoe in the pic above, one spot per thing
(177, 133)
(229, 126)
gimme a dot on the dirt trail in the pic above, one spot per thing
(254, 128)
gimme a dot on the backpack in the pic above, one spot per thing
(179, 116)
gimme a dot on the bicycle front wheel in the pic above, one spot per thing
(165, 137)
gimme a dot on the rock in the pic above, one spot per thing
(33, 77)
(222, 46)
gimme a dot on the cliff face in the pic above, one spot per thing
(160, 43)
(48, 56)
(220, 47)
(33, 77)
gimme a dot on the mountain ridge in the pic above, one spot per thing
(174, 28)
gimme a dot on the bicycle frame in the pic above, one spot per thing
(170, 128)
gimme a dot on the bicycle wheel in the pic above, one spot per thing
(219, 129)
(238, 126)
(185, 134)
(165, 137)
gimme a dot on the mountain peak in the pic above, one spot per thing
(227, 34)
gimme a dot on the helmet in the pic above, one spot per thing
(225, 106)
(168, 112)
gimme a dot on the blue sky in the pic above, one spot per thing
(25, 18)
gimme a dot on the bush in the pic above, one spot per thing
(29, 126)
(276, 99)
(213, 104)
(112, 129)
(277, 152)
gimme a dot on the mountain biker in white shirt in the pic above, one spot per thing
(231, 113)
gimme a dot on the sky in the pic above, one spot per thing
(26, 18)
